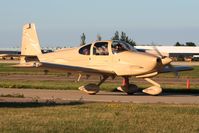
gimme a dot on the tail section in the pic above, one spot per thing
(30, 42)
(30, 49)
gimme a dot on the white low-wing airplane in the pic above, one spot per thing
(107, 58)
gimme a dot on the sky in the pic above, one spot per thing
(61, 22)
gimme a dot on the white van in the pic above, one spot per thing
(195, 58)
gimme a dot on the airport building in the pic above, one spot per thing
(175, 52)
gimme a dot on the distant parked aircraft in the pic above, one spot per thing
(9, 54)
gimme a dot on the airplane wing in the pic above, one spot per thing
(75, 69)
(175, 69)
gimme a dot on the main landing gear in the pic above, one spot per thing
(92, 89)
(128, 88)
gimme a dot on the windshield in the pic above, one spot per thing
(118, 46)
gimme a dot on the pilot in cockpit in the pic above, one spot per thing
(118, 48)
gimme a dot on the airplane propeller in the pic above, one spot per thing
(173, 70)
(158, 52)
(166, 61)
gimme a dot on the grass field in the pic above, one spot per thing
(99, 118)
(64, 84)
(78, 117)
(8, 69)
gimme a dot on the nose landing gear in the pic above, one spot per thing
(153, 90)
(132, 88)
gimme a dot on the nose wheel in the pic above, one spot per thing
(153, 90)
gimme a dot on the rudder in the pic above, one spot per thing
(30, 42)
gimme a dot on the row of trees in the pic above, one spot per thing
(117, 36)
(186, 44)
(123, 37)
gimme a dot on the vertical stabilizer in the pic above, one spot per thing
(30, 42)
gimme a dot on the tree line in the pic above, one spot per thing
(117, 36)
(186, 44)
(123, 37)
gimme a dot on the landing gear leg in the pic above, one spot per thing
(153, 90)
(105, 77)
(92, 89)
(128, 88)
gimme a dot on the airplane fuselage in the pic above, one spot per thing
(123, 63)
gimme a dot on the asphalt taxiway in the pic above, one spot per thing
(30, 95)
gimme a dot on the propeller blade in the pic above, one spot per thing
(166, 61)
(174, 70)
(157, 51)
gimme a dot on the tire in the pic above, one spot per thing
(132, 88)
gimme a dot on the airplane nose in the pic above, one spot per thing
(166, 60)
